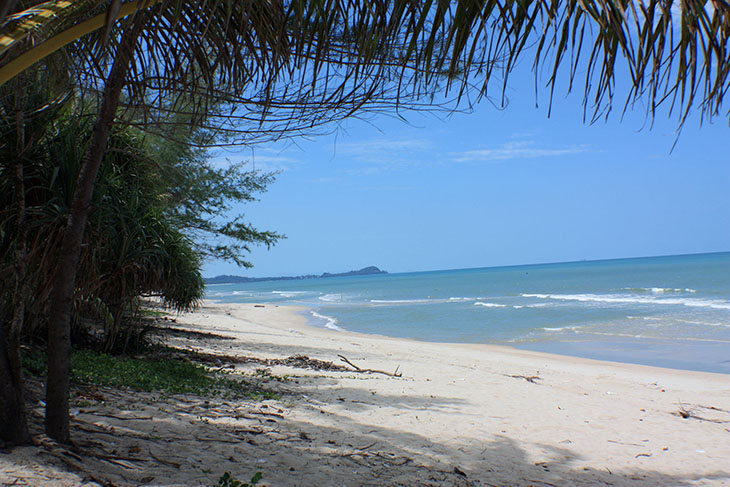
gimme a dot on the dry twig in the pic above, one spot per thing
(371, 371)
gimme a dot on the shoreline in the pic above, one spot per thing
(295, 320)
(640, 351)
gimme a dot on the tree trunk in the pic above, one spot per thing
(13, 419)
(64, 278)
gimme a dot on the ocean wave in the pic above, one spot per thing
(537, 305)
(332, 298)
(330, 322)
(402, 301)
(289, 294)
(659, 290)
(561, 328)
(703, 323)
(490, 305)
(212, 295)
(460, 299)
(633, 299)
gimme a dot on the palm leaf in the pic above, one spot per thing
(393, 52)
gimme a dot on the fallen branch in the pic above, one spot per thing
(529, 378)
(370, 371)
(627, 444)
(713, 408)
(686, 413)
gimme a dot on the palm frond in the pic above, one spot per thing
(345, 56)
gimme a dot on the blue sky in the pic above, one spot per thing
(493, 187)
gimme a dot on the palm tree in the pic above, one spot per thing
(294, 65)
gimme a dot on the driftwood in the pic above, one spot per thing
(686, 413)
(529, 378)
(370, 371)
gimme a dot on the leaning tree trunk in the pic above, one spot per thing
(13, 418)
(64, 277)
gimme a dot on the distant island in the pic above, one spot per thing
(225, 279)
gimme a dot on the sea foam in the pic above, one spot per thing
(635, 299)
(490, 305)
(332, 298)
(290, 294)
(330, 322)
(401, 301)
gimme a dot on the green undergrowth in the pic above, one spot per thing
(164, 375)
(228, 480)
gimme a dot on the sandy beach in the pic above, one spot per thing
(459, 415)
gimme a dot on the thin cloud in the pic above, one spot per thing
(515, 150)
(384, 150)
(266, 159)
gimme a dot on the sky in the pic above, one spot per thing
(490, 188)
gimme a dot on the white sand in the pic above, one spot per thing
(459, 415)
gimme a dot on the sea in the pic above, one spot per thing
(669, 311)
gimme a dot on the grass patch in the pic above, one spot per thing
(165, 375)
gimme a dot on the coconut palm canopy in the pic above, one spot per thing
(289, 66)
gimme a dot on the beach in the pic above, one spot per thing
(455, 414)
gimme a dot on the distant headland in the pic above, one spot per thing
(225, 279)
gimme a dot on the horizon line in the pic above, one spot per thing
(579, 261)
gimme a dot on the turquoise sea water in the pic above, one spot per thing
(664, 311)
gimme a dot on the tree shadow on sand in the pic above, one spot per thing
(125, 438)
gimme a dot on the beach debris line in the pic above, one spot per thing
(192, 334)
(298, 361)
(397, 373)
